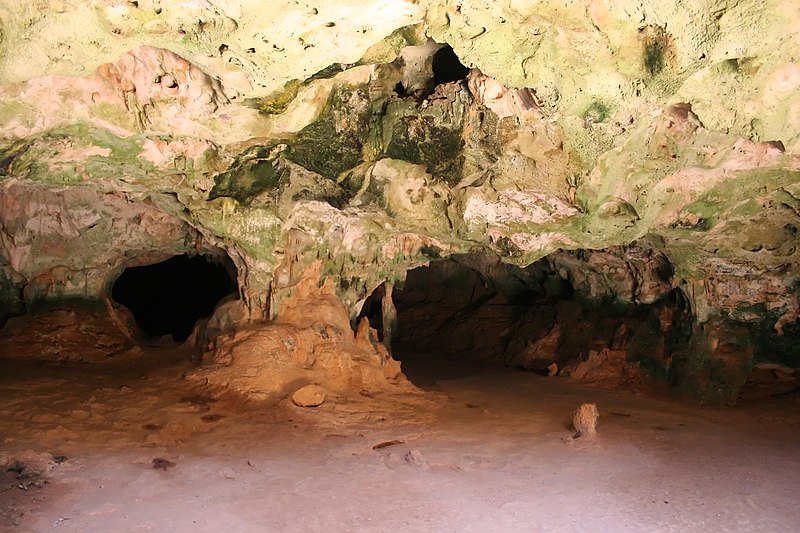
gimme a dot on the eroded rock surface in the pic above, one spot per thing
(650, 150)
(310, 342)
(585, 420)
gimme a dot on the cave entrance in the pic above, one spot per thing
(168, 298)
(456, 316)
(420, 70)
(562, 315)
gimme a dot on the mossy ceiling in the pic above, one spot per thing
(274, 130)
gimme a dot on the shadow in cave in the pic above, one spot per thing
(168, 298)
(472, 314)
(455, 316)
(447, 67)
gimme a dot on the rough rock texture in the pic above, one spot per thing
(559, 314)
(465, 304)
(309, 396)
(311, 342)
(134, 131)
(585, 420)
(77, 334)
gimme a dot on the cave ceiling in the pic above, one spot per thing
(289, 132)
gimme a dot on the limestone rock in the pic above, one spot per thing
(606, 368)
(503, 101)
(154, 75)
(538, 354)
(310, 341)
(309, 396)
(416, 458)
(29, 463)
(585, 420)
(650, 151)
(82, 237)
(409, 191)
(87, 334)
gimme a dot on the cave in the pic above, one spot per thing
(169, 297)
(474, 310)
(399, 266)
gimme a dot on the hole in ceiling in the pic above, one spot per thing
(447, 67)
(168, 298)
(474, 307)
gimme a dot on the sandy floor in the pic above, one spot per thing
(489, 449)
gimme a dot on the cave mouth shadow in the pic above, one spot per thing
(473, 314)
(169, 297)
(447, 67)
(455, 316)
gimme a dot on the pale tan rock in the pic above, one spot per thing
(503, 101)
(309, 396)
(606, 368)
(156, 74)
(310, 304)
(552, 370)
(585, 420)
(311, 339)
(411, 192)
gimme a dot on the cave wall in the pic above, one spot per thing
(71, 244)
(466, 305)
(135, 130)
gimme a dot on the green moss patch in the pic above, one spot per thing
(251, 174)
(277, 103)
(596, 113)
(419, 140)
(333, 144)
(9, 154)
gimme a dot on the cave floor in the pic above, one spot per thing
(486, 449)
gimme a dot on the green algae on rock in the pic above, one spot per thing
(649, 136)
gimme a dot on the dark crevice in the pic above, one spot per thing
(447, 67)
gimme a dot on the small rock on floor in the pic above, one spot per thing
(162, 464)
(309, 396)
(585, 420)
(415, 457)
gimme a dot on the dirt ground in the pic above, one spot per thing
(129, 445)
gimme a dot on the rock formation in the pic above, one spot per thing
(647, 154)
(585, 419)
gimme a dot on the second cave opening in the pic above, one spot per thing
(169, 297)
(544, 318)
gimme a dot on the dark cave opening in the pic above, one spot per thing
(168, 298)
(465, 306)
(447, 67)
(543, 318)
